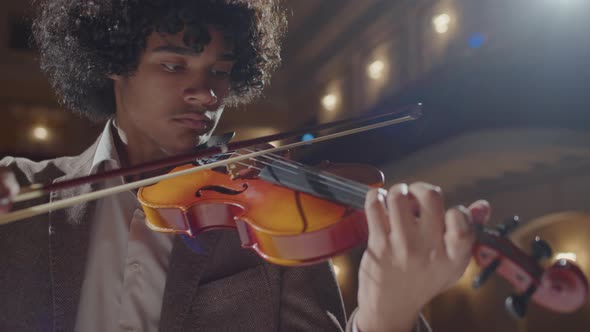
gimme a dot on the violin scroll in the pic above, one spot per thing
(562, 287)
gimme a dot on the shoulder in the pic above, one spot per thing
(28, 171)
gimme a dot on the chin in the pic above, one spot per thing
(178, 148)
(186, 143)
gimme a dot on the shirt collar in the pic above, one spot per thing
(106, 156)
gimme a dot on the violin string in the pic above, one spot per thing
(328, 176)
(314, 176)
(318, 177)
(313, 180)
(330, 180)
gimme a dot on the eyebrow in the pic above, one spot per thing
(229, 56)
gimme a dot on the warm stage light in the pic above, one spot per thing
(40, 133)
(330, 101)
(375, 69)
(441, 23)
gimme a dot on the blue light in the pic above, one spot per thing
(307, 137)
(476, 40)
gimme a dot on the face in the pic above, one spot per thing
(174, 100)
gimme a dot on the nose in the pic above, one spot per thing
(200, 96)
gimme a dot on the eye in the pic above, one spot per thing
(172, 67)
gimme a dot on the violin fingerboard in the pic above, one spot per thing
(319, 184)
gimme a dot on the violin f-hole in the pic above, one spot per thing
(221, 190)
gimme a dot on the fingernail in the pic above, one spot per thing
(481, 210)
(483, 202)
(466, 213)
(381, 197)
(404, 189)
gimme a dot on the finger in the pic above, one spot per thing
(8, 181)
(401, 219)
(459, 236)
(431, 223)
(480, 211)
(377, 220)
(8, 188)
(5, 205)
(4, 198)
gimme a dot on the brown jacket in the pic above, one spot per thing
(224, 288)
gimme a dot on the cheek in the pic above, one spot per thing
(153, 94)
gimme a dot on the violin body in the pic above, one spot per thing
(283, 226)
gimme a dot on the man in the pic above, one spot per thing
(161, 72)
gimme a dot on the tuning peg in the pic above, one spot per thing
(485, 274)
(508, 226)
(516, 305)
(541, 249)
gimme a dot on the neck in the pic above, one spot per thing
(132, 152)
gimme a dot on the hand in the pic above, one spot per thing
(415, 251)
(8, 188)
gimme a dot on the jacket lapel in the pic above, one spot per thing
(68, 248)
(184, 273)
(188, 260)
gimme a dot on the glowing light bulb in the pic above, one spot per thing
(441, 23)
(375, 69)
(330, 101)
(40, 133)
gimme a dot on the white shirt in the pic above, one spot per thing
(127, 262)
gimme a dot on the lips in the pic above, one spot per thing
(196, 121)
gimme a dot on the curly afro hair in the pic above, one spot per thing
(81, 43)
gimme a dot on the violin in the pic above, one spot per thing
(293, 214)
